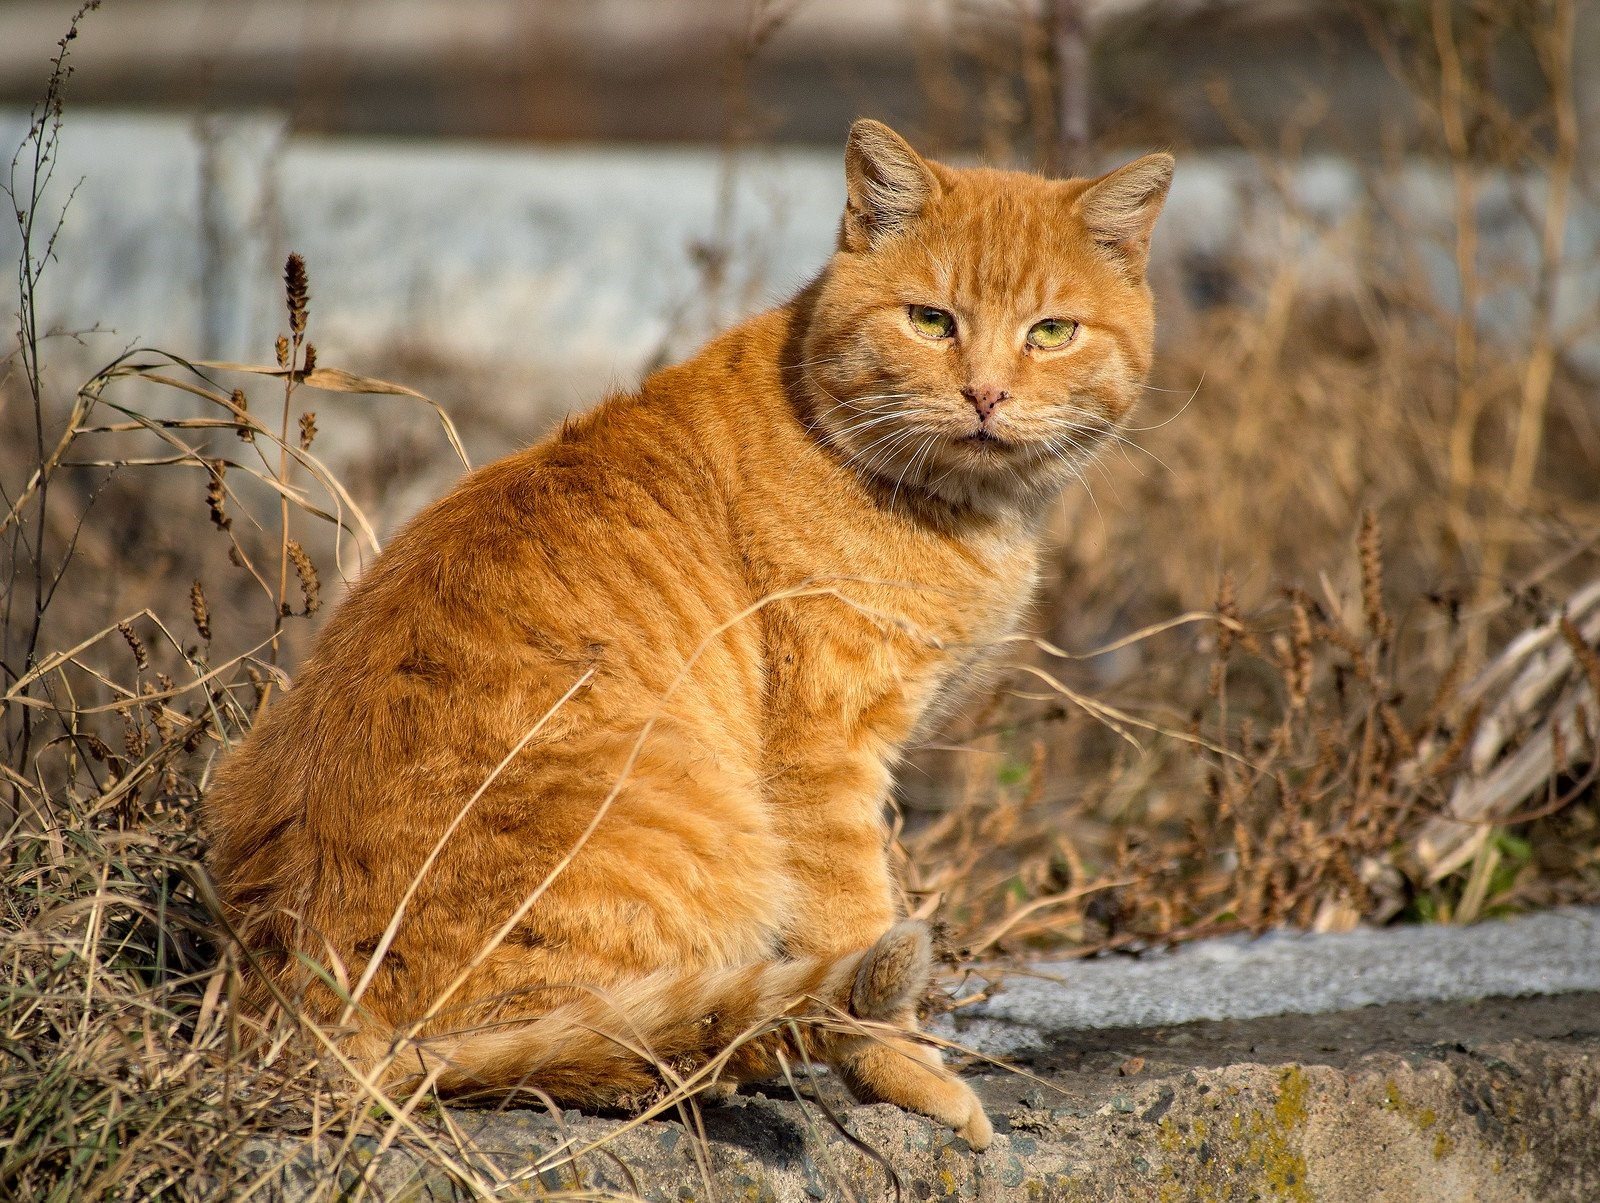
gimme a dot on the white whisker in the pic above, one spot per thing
(926, 445)
(1174, 417)
(892, 439)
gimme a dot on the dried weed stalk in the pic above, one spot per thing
(121, 1074)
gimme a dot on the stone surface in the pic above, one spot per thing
(1290, 972)
(1468, 1097)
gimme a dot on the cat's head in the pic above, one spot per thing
(979, 332)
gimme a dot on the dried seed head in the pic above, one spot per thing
(1370, 544)
(241, 412)
(308, 429)
(1038, 771)
(141, 654)
(297, 293)
(308, 360)
(200, 611)
(1228, 610)
(1297, 663)
(99, 750)
(154, 708)
(215, 495)
(283, 351)
(1459, 739)
(1587, 658)
(1445, 691)
(310, 586)
(1399, 737)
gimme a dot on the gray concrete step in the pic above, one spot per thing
(1411, 1064)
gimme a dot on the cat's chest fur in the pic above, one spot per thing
(887, 623)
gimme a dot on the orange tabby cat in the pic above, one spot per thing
(590, 769)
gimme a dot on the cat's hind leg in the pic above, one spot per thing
(880, 1065)
(898, 1070)
(895, 1069)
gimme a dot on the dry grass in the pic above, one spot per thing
(1300, 579)
(1294, 747)
(1370, 493)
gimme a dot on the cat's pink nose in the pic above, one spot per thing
(984, 398)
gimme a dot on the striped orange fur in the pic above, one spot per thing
(590, 768)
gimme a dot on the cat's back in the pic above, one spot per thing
(538, 547)
(602, 554)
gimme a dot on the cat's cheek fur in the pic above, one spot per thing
(712, 635)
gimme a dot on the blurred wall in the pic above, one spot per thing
(562, 272)
(955, 71)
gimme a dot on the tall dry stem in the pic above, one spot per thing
(1554, 46)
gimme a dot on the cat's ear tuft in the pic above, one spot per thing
(886, 185)
(1120, 208)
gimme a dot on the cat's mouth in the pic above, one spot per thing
(984, 439)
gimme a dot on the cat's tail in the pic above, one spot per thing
(608, 1048)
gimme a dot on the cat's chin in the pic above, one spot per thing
(993, 475)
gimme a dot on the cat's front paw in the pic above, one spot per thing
(910, 1076)
(952, 1102)
(977, 1131)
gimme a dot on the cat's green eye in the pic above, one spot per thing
(930, 322)
(1052, 333)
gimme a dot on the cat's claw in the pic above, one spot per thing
(977, 1131)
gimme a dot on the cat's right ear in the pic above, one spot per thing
(886, 185)
(1119, 209)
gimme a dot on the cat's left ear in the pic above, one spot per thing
(1119, 209)
(886, 185)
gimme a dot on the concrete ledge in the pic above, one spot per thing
(1284, 973)
(1468, 1097)
(1429, 1118)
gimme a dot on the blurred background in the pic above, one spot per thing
(965, 74)
(1367, 463)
